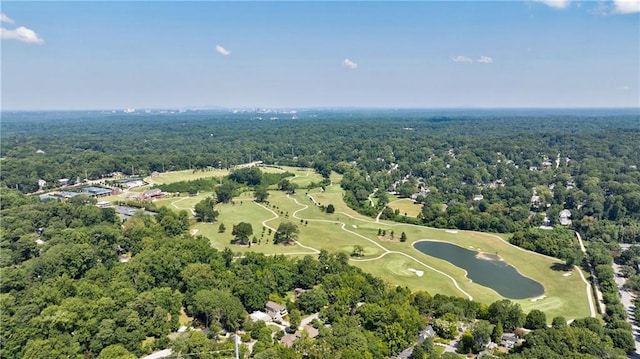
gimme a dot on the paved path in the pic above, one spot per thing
(589, 289)
(596, 288)
(343, 226)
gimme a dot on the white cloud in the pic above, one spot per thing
(5, 18)
(626, 6)
(461, 58)
(21, 34)
(349, 64)
(485, 60)
(222, 51)
(556, 4)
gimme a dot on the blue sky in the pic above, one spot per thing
(439, 54)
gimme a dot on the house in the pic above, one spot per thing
(509, 340)
(288, 339)
(131, 182)
(425, 333)
(150, 194)
(155, 174)
(166, 353)
(63, 181)
(565, 217)
(42, 183)
(478, 197)
(48, 197)
(103, 204)
(275, 310)
(258, 315)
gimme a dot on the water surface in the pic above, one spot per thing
(485, 269)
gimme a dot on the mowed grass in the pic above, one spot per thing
(186, 175)
(406, 206)
(386, 258)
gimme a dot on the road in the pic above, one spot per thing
(627, 298)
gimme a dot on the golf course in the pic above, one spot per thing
(565, 293)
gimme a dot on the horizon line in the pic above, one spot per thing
(231, 108)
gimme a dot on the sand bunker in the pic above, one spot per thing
(538, 298)
(451, 231)
(194, 231)
(567, 274)
(419, 273)
(354, 226)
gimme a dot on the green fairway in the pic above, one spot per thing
(406, 206)
(397, 263)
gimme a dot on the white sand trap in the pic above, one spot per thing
(471, 247)
(451, 231)
(538, 298)
(419, 273)
(354, 226)
(194, 232)
(567, 274)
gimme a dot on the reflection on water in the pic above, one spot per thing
(486, 269)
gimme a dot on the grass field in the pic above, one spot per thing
(391, 260)
(406, 207)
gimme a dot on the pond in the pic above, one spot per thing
(485, 269)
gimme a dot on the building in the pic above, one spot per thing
(96, 191)
(155, 174)
(42, 183)
(131, 182)
(275, 310)
(258, 315)
(478, 197)
(150, 195)
(565, 217)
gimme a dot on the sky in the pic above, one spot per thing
(76, 55)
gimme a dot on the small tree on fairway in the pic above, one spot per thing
(221, 228)
(204, 211)
(403, 237)
(287, 233)
(331, 208)
(261, 194)
(242, 231)
(358, 251)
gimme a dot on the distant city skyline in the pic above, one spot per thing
(436, 54)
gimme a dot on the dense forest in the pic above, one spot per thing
(66, 292)
(482, 170)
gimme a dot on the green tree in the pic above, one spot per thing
(358, 251)
(536, 319)
(403, 237)
(221, 228)
(115, 351)
(496, 334)
(330, 208)
(204, 210)
(242, 231)
(559, 323)
(295, 318)
(286, 233)
(261, 194)
(286, 186)
(224, 192)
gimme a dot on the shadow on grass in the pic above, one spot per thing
(561, 267)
